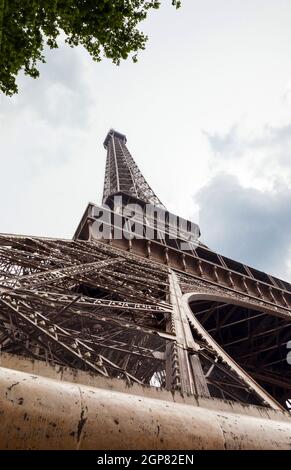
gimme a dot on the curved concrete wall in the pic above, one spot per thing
(40, 413)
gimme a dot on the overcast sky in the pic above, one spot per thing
(207, 115)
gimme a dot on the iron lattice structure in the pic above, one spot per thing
(144, 310)
(84, 305)
(122, 173)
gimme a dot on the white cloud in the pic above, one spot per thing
(261, 157)
(246, 224)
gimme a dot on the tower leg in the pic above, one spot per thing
(187, 373)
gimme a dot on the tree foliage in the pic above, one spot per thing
(104, 27)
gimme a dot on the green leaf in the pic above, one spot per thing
(105, 28)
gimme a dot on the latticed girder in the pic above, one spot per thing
(84, 305)
(122, 173)
(94, 307)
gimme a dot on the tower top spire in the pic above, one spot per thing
(122, 174)
(117, 135)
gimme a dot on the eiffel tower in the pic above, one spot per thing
(137, 328)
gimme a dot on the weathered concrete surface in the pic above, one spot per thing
(42, 413)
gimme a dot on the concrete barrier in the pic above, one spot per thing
(37, 412)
